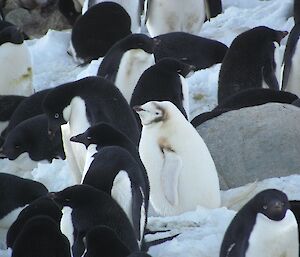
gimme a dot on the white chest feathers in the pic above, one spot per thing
(16, 70)
(166, 16)
(66, 225)
(293, 85)
(121, 192)
(75, 115)
(181, 171)
(274, 238)
(133, 63)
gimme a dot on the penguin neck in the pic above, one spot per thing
(74, 112)
(91, 150)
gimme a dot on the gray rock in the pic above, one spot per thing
(254, 143)
(35, 22)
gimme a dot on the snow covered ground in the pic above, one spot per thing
(201, 231)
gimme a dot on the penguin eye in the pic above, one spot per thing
(180, 70)
(265, 207)
(89, 138)
(157, 113)
(17, 146)
(56, 115)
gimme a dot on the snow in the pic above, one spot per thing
(202, 230)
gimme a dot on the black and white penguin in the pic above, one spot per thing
(123, 179)
(85, 207)
(246, 98)
(291, 69)
(28, 108)
(213, 8)
(8, 104)
(163, 16)
(16, 65)
(110, 244)
(15, 194)
(190, 49)
(249, 62)
(255, 229)
(81, 104)
(89, 42)
(29, 139)
(132, 7)
(41, 206)
(295, 208)
(126, 61)
(41, 236)
(164, 81)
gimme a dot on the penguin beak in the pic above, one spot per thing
(281, 35)
(80, 138)
(138, 108)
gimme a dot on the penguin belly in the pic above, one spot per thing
(133, 63)
(167, 16)
(16, 70)
(274, 238)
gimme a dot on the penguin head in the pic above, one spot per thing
(272, 203)
(109, 245)
(176, 66)
(56, 106)
(264, 34)
(139, 41)
(73, 196)
(155, 112)
(102, 134)
(15, 144)
(11, 34)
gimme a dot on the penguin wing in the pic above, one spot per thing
(288, 54)
(138, 211)
(170, 175)
(147, 6)
(212, 8)
(269, 69)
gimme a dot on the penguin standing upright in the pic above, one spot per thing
(265, 226)
(249, 62)
(163, 16)
(111, 168)
(126, 61)
(181, 171)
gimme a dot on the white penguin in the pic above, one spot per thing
(163, 16)
(181, 171)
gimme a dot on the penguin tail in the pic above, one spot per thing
(147, 244)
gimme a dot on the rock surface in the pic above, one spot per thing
(254, 143)
(36, 22)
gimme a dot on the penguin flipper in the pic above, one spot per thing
(137, 209)
(147, 6)
(288, 54)
(170, 175)
(269, 71)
